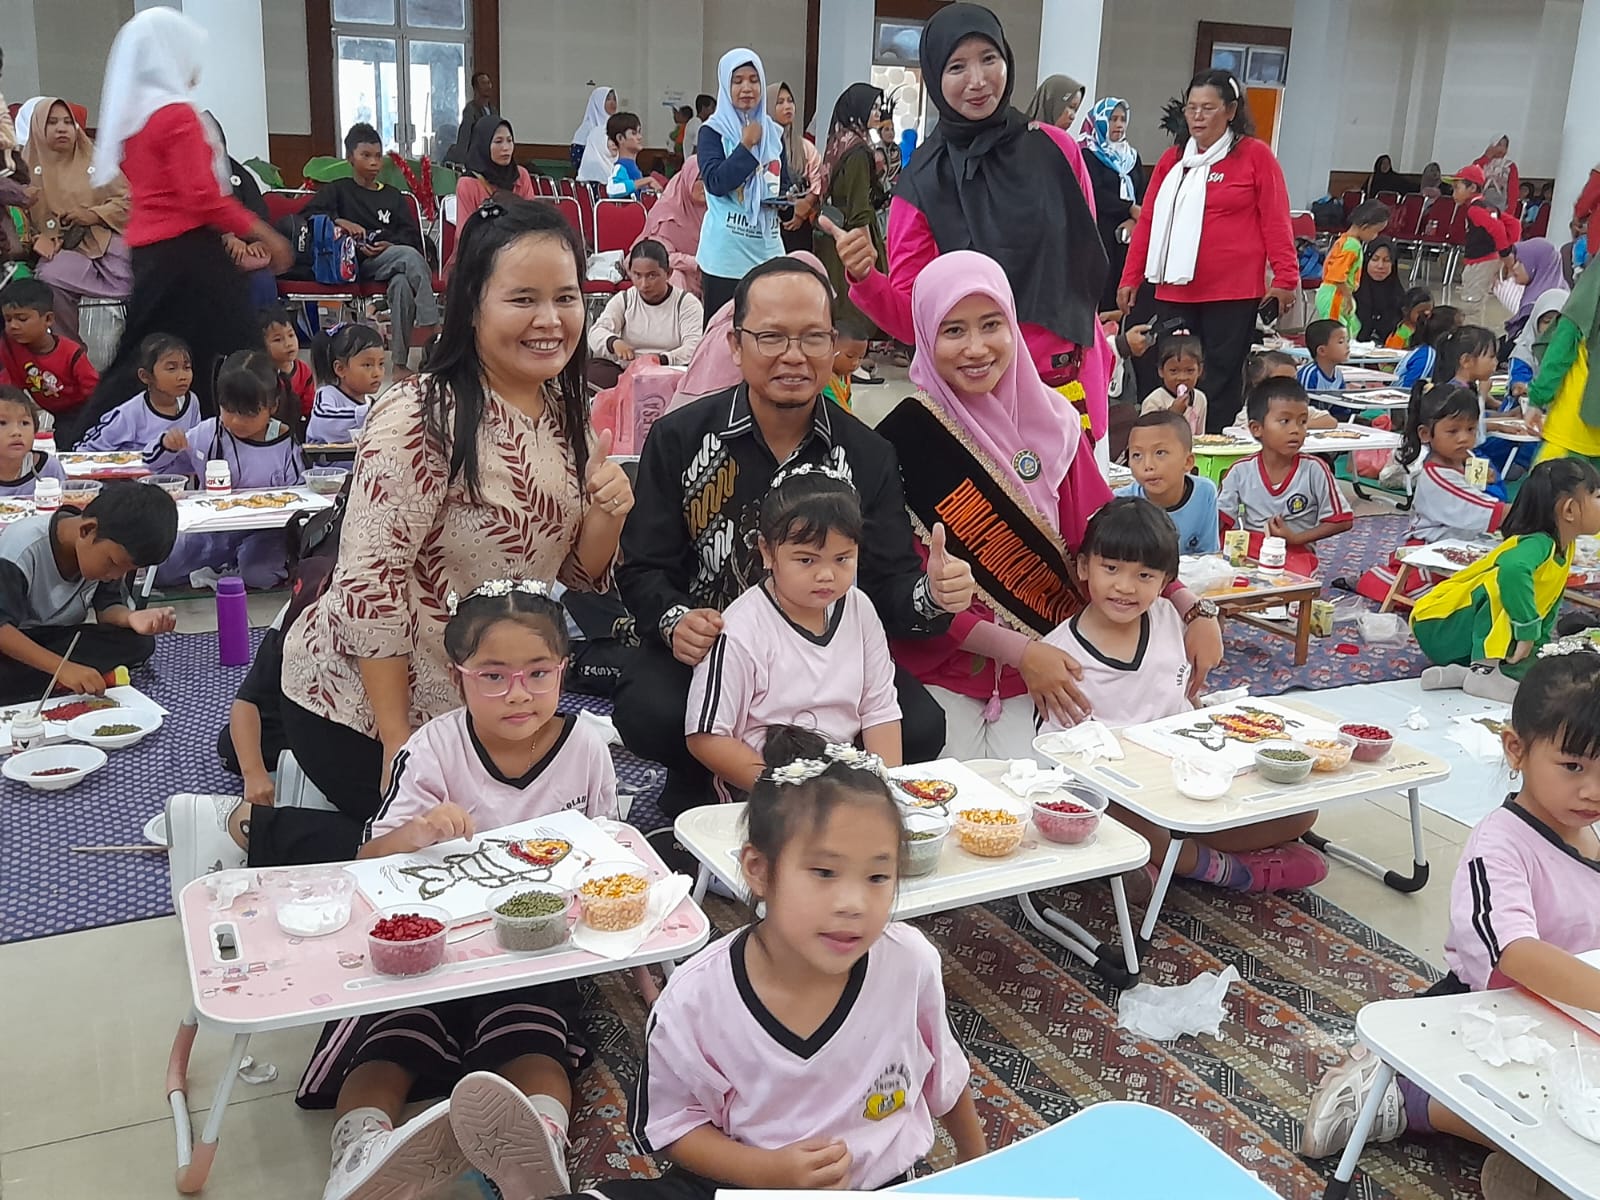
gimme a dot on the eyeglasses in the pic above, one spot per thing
(772, 344)
(1202, 110)
(493, 683)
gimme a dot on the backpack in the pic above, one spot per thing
(1310, 261)
(297, 232)
(333, 251)
(1328, 213)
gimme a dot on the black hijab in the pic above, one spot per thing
(1005, 190)
(1380, 305)
(1389, 180)
(481, 164)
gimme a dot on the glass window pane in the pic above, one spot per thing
(437, 14)
(368, 79)
(368, 12)
(436, 79)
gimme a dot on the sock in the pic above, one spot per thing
(555, 1115)
(1439, 679)
(1220, 868)
(1416, 1107)
(353, 1124)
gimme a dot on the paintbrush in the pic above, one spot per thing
(38, 709)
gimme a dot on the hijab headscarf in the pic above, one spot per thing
(1542, 261)
(1386, 179)
(1553, 300)
(1001, 188)
(155, 62)
(1380, 304)
(730, 123)
(1120, 156)
(794, 137)
(1497, 173)
(676, 218)
(481, 163)
(852, 114)
(594, 116)
(1021, 413)
(66, 179)
(1050, 98)
(1432, 176)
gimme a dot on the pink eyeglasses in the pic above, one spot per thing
(495, 682)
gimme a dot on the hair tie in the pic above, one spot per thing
(491, 209)
(497, 587)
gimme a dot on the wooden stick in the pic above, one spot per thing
(51, 686)
(143, 849)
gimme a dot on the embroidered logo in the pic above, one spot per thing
(1027, 466)
(1297, 504)
(888, 1095)
(384, 216)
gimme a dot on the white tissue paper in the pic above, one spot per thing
(1575, 1089)
(602, 726)
(1477, 741)
(1164, 1013)
(1090, 740)
(1501, 1040)
(225, 887)
(1415, 719)
(1024, 777)
(1226, 696)
(665, 895)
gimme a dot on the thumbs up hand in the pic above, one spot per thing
(854, 247)
(950, 581)
(607, 486)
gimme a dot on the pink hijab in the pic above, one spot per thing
(675, 219)
(1021, 414)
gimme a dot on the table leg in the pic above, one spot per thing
(194, 1160)
(1339, 1185)
(701, 881)
(1414, 882)
(1168, 865)
(1302, 633)
(1067, 933)
(1396, 589)
(1130, 949)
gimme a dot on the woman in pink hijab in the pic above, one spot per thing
(675, 220)
(1014, 485)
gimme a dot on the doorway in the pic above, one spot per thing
(401, 66)
(1258, 56)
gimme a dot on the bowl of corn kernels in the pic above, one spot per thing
(613, 895)
(992, 829)
(1329, 751)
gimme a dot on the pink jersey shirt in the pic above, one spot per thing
(1518, 879)
(443, 762)
(1151, 685)
(874, 1075)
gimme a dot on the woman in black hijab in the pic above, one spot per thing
(490, 168)
(986, 180)
(1380, 300)
(1385, 178)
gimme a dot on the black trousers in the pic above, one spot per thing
(654, 692)
(1227, 330)
(103, 647)
(715, 291)
(346, 766)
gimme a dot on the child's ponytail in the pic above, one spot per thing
(338, 343)
(1431, 403)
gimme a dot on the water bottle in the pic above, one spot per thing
(233, 622)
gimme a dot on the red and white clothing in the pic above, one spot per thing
(874, 1075)
(1491, 234)
(59, 381)
(1443, 505)
(765, 670)
(1153, 684)
(1307, 497)
(169, 168)
(1518, 879)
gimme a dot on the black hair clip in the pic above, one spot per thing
(489, 210)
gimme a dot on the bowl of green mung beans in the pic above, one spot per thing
(1283, 762)
(530, 916)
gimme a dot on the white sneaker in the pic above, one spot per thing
(504, 1136)
(1337, 1103)
(398, 1164)
(198, 841)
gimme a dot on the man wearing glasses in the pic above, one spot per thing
(689, 547)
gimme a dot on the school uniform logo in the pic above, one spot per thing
(888, 1094)
(1297, 504)
(1026, 464)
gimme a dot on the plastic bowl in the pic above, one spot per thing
(531, 933)
(1369, 747)
(1198, 781)
(991, 830)
(313, 901)
(326, 481)
(79, 492)
(1330, 752)
(614, 895)
(83, 728)
(416, 957)
(172, 485)
(1277, 770)
(923, 854)
(72, 762)
(1069, 816)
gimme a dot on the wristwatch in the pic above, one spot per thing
(670, 618)
(1203, 610)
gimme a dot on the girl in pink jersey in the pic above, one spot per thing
(505, 1059)
(1526, 897)
(811, 1049)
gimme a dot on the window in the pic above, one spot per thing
(401, 66)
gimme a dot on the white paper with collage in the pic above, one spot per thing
(1225, 736)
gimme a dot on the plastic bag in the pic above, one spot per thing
(1164, 1013)
(1205, 572)
(633, 406)
(1382, 629)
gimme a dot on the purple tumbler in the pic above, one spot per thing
(233, 622)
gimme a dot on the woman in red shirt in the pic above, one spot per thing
(1216, 213)
(184, 283)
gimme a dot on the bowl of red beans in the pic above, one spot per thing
(1070, 815)
(408, 940)
(54, 768)
(1373, 742)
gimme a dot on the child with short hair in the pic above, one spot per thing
(1484, 625)
(803, 644)
(49, 366)
(852, 335)
(1278, 491)
(388, 241)
(55, 569)
(348, 361)
(1492, 236)
(625, 134)
(1180, 360)
(506, 1059)
(21, 466)
(1329, 344)
(1525, 901)
(1414, 308)
(1275, 364)
(1341, 272)
(282, 342)
(1418, 364)
(1161, 457)
(260, 452)
(166, 402)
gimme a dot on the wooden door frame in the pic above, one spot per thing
(1209, 33)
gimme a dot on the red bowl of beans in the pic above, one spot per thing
(1069, 816)
(408, 940)
(1373, 742)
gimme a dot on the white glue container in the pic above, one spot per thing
(219, 478)
(27, 729)
(1274, 552)
(46, 495)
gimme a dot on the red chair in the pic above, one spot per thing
(1389, 199)
(286, 202)
(567, 206)
(648, 199)
(1351, 199)
(1540, 225)
(618, 224)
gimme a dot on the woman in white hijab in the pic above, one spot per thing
(601, 107)
(184, 283)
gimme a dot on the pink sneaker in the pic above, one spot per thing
(505, 1137)
(1286, 868)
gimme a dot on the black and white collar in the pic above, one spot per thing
(741, 420)
(800, 1047)
(533, 772)
(1548, 834)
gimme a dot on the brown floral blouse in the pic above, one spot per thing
(411, 536)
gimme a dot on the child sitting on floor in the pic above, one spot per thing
(166, 403)
(54, 569)
(1275, 364)
(1180, 360)
(1526, 897)
(1414, 307)
(1419, 361)
(1484, 625)
(295, 378)
(348, 360)
(1161, 457)
(505, 1060)
(260, 453)
(1443, 419)
(1129, 642)
(1279, 492)
(804, 644)
(1329, 344)
(1341, 272)
(50, 367)
(21, 466)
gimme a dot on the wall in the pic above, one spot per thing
(22, 49)
(774, 29)
(73, 41)
(283, 36)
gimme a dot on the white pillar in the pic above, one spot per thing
(1069, 44)
(19, 37)
(1316, 75)
(844, 54)
(1580, 136)
(233, 84)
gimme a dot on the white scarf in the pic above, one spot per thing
(1180, 211)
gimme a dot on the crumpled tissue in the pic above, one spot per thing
(1226, 696)
(1090, 740)
(1477, 741)
(1415, 719)
(1024, 777)
(1501, 1040)
(1164, 1013)
(225, 887)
